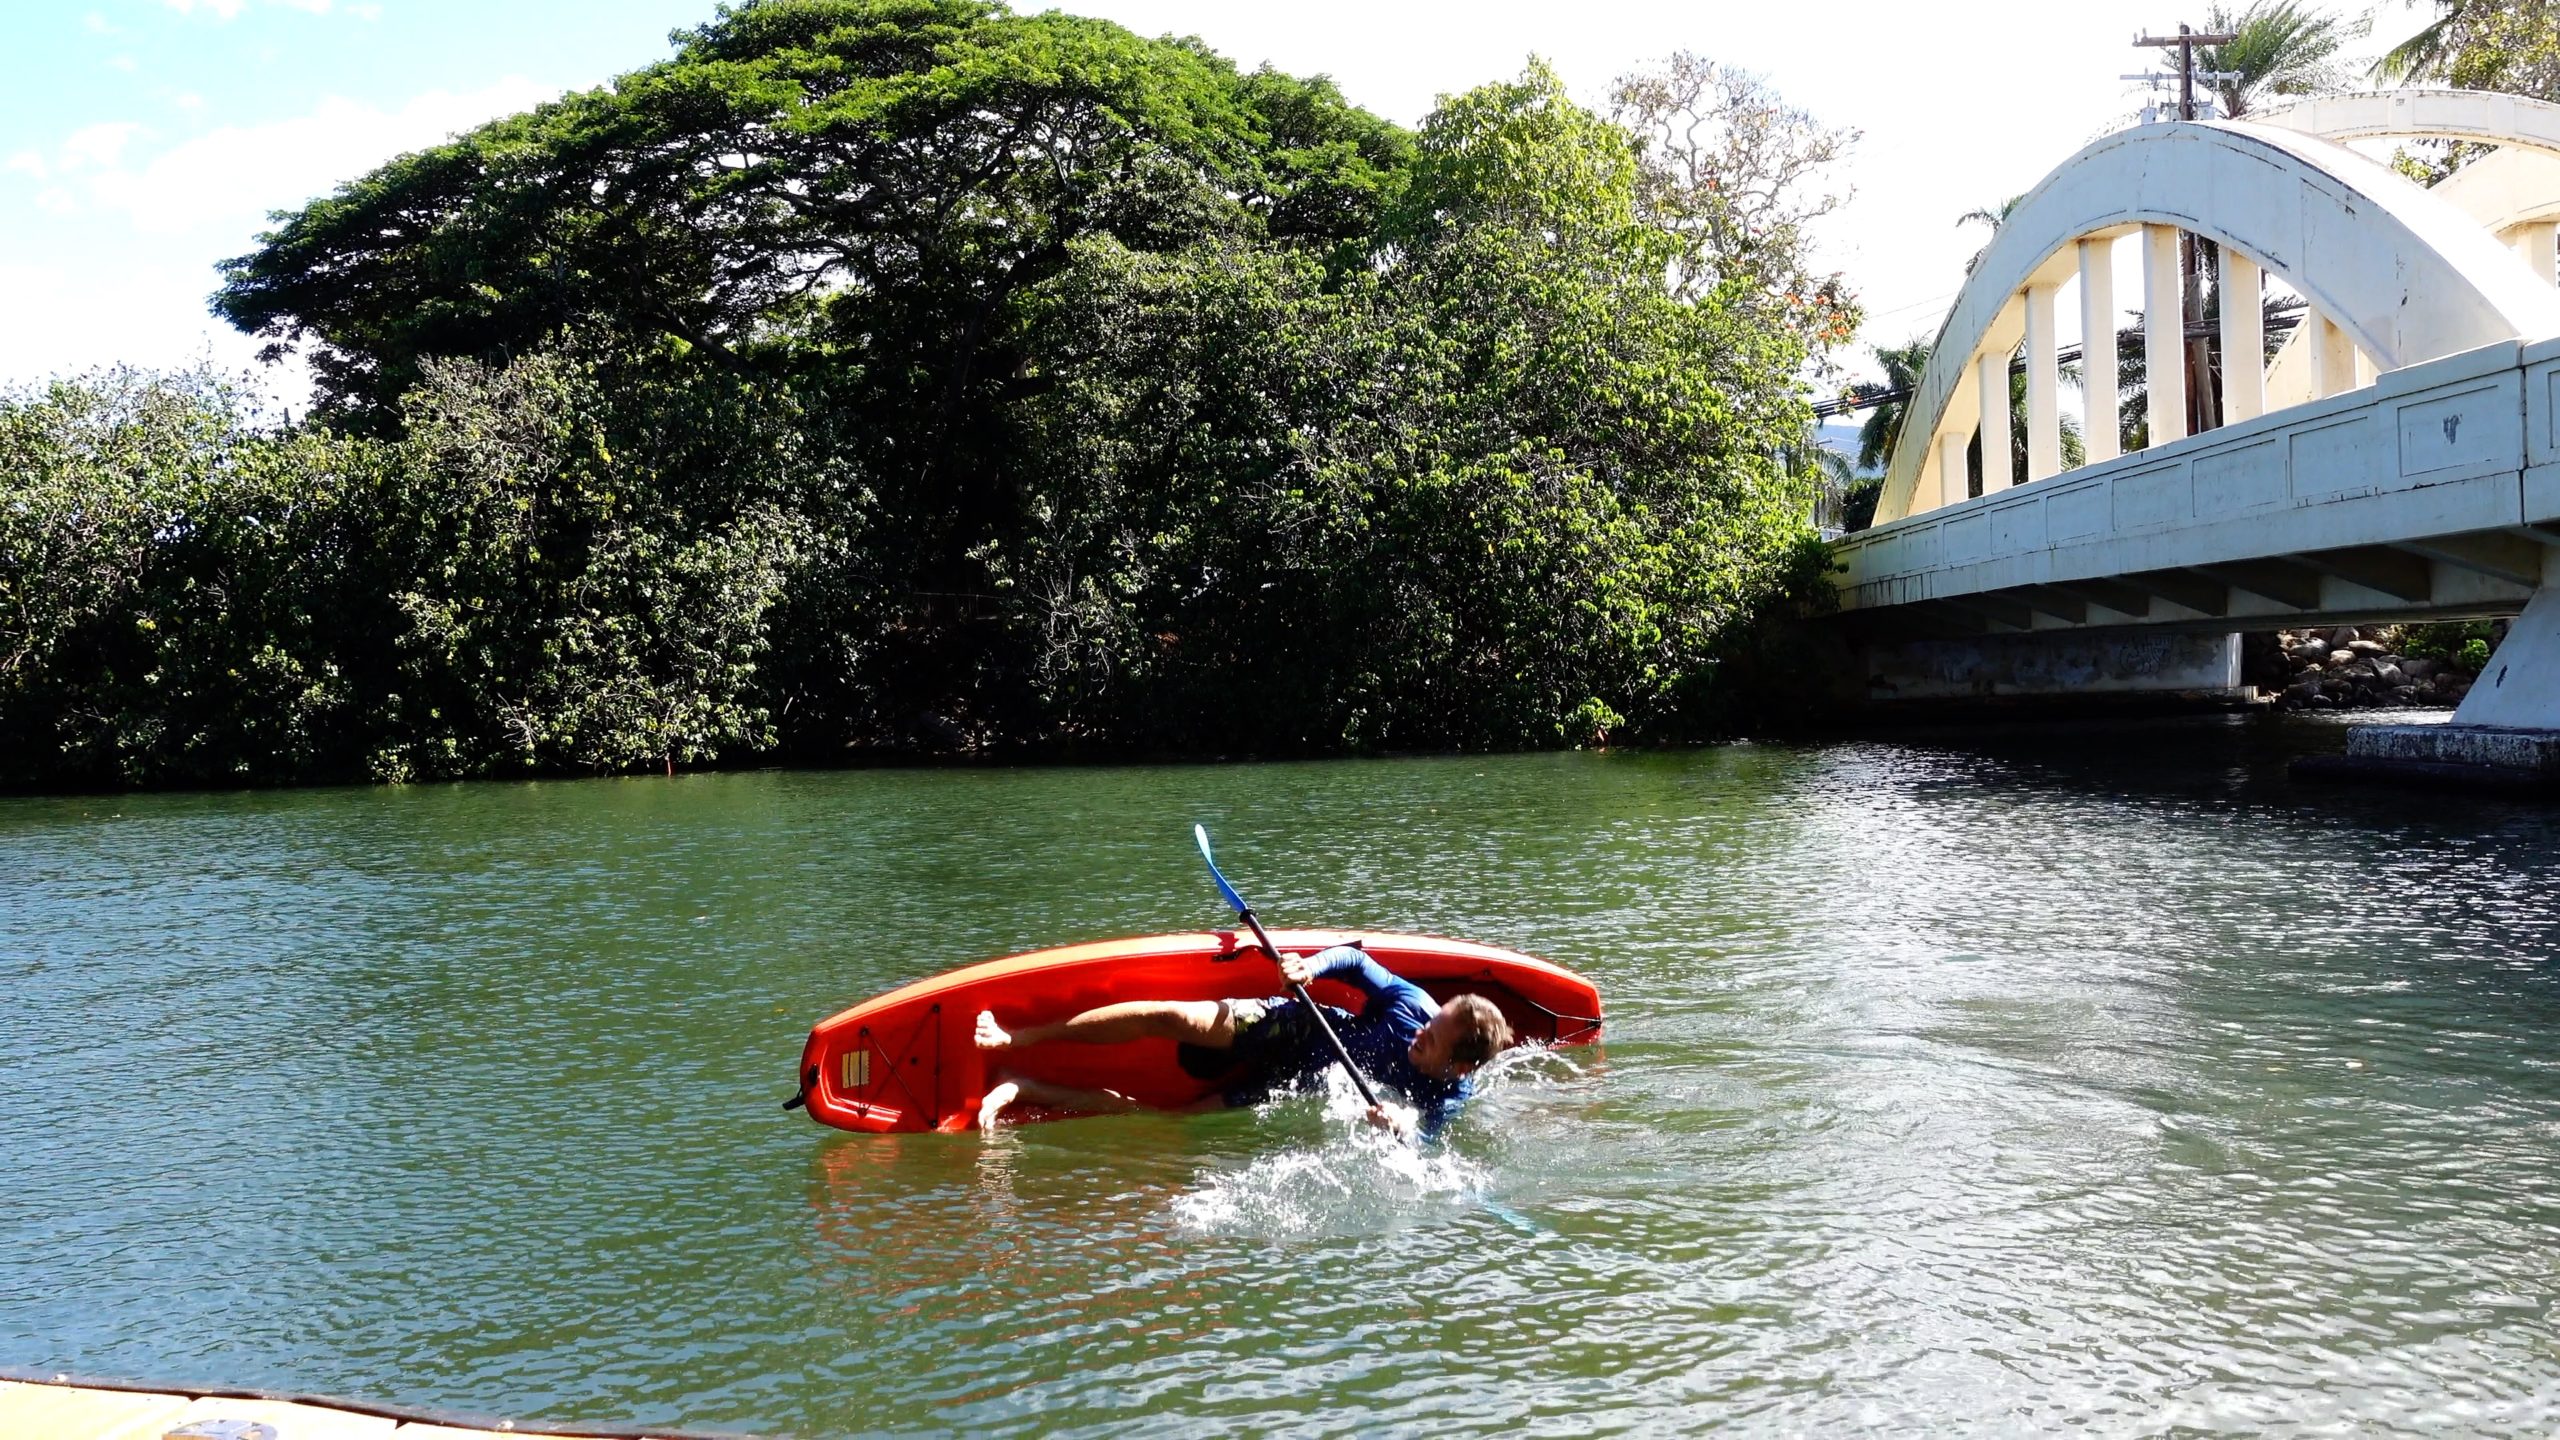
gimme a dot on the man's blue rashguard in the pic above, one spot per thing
(1278, 1046)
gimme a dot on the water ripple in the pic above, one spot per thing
(1994, 1083)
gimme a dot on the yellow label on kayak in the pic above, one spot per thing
(857, 1070)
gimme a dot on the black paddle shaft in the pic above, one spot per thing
(1340, 1053)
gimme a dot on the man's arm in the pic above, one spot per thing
(1436, 1117)
(1350, 962)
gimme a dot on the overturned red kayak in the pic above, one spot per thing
(906, 1060)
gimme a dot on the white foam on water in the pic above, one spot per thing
(1357, 1178)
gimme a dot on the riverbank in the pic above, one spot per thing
(2373, 667)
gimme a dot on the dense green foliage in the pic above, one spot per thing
(910, 376)
(2463, 644)
(209, 599)
(2509, 45)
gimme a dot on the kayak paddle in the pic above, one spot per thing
(1201, 834)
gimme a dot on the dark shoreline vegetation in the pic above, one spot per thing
(912, 378)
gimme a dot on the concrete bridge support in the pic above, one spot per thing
(2114, 670)
(2508, 727)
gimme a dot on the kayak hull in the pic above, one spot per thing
(907, 1060)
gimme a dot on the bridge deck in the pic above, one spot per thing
(2432, 493)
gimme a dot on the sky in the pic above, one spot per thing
(143, 141)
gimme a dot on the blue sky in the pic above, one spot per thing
(141, 141)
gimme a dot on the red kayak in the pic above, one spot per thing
(906, 1061)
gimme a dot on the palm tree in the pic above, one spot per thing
(2133, 396)
(2427, 54)
(2278, 48)
(1993, 218)
(2482, 45)
(2075, 451)
(1902, 365)
(1830, 475)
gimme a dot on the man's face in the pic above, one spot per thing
(1431, 1046)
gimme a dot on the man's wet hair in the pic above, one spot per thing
(1482, 1031)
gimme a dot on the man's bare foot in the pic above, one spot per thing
(991, 1036)
(1005, 1093)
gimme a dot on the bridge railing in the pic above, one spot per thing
(2419, 495)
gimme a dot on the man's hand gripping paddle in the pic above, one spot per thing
(1201, 834)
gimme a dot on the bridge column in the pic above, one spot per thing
(1991, 379)
(2506, 731)
(2164, 334)
(1955, 484)
(2244, 340)
(2044, 416)
(2539, 243)
(2333, 357)
(2098, 434)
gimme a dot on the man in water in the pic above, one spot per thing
(1403, 1041)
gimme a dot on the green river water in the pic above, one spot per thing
(2095, 1078)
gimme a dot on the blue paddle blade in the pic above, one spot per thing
(1201, 834)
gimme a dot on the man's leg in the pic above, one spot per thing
(1018, 1090)
(1012, 1091)
(1209, 1023)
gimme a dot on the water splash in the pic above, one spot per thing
(1357, 1179)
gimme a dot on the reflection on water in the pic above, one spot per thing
(1993, 1081)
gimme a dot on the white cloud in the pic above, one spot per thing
(134, 222)
(125, 63)
(97, 24)
(98, 145)
(221, 184)
(59, 320)
(219, 9)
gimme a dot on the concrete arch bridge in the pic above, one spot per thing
(2397, 458)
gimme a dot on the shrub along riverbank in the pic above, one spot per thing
(914, 377)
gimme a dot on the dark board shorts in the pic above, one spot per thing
(1276, 1045)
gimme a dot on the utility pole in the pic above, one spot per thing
(2186, 41)
(2204, 408)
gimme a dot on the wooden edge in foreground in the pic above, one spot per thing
(59, 1408)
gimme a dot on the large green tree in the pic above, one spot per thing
(175, 596)
(856, 200)
(1503, 477)
(877, 177)
(912, 374)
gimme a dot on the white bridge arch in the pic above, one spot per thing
(2401, 274)
(2401, 460)
(2480, 117)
